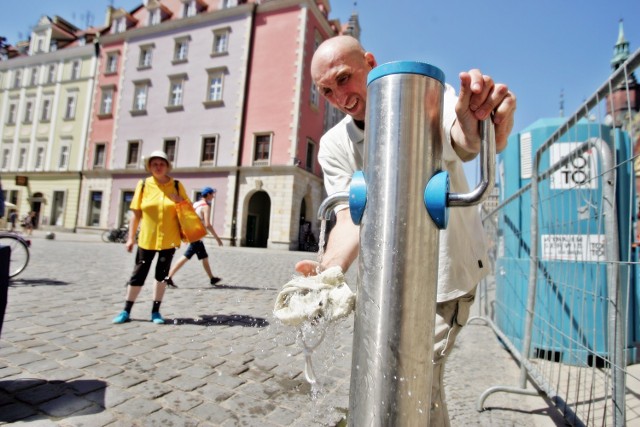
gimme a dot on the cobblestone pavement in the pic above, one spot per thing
(222, 359)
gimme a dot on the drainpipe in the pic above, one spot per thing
(243, 121)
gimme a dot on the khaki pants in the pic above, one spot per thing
(451, 316)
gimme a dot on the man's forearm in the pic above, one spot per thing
(343, 244)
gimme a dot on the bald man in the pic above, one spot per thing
(339, 68)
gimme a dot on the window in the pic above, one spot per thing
(155, 16)
(140, 92)
(220, 41)
(170, 149)
(98, 155)
(63, 163)
(176, 91)
(17, 79)
(28, 112)
(120, 25)
(133, 152)
(311, 149)
(314, 98)
(215, 86)
(70, 108)
(317, 40)
(57, 208)
(262, 150)
(180, 50)
(189, 8)
(95, 206)
(209, 144)
(106, 104)
(39, 158)
(75, 70)
(34, 77)
(51, 74)
(127, 197)
(11, 114)
(45, 114)
(6, 155)
(22, 158)
(146, 55)
(111, 66)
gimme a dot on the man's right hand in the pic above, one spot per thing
(307, 267)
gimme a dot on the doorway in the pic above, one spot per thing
(258, 220)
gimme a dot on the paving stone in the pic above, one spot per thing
(80, 362)
(181, 402)
(126, 379)
(99, 419)
(138, 407)
(150, 389)
(103, 370)
(212, 412)
(186, 383)
(226, 361)
(227, 381)
(64, 405)
(41, 366)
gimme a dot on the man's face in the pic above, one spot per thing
(342, 80)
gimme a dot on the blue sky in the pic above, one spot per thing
(539, 48)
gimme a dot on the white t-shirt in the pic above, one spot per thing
(463, 248)
(198, 207)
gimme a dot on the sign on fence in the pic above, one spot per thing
(581, 171)
(573, 247)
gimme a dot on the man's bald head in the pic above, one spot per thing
(334, 49)
(339, 68)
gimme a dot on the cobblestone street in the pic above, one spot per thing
(222, 359)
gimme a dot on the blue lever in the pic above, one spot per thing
(357, 197)
(435, 199)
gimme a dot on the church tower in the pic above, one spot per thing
(624, 103)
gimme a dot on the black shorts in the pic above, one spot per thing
(196, 248)
(144, 257)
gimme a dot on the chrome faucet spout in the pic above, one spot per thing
(327, 205)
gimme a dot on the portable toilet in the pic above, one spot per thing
(571, 311)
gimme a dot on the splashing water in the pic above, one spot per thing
(323, 231)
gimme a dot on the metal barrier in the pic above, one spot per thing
(565, 297)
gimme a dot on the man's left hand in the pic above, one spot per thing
(480, 98)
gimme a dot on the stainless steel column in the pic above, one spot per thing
(398, 264)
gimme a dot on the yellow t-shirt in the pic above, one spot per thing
(159, 227)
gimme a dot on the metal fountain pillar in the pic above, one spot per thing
(401, 202)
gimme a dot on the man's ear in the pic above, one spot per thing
(370, 60)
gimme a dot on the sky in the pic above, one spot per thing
(540, 49)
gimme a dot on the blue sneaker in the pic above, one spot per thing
(122, 317)
(157, 318)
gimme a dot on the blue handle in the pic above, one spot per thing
(357, 197)
(435, 199)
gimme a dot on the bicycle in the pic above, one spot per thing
(19, 251)
(116, 235)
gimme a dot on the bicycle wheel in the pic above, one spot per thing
(106, 235)
(19, 254)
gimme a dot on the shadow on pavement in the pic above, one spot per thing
(223, 319)
(246, 288)
(31, 397)
(36, 282)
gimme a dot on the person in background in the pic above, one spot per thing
(339, 69)
(29, 222)
(13, 217)
(154, 210)
(203, 209)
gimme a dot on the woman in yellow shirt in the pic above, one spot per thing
(154, 209)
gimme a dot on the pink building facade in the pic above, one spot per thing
(224, 88)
